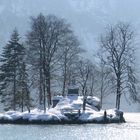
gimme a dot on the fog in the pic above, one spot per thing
(87, 17)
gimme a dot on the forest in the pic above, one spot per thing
(34, 69)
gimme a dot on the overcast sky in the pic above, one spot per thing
(88, 17)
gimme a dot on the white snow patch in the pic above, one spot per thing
(65, 105)
(132, 117)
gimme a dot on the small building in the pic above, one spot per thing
(73, 90)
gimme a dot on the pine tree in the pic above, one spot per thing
(12, 55)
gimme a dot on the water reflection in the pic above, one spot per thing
(127, 131)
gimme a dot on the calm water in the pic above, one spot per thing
(127, 131)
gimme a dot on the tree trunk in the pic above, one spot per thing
(22, 102)
(64, 81)
(101, 100)
(118, 94)
(91, 89)
(102, 85)
(14, 94)
(40, 88)
(28, 100)
(44, 76)
(119, 99)
(44, 96)
(64, 86)
(84, 103)
(65, 74)
(48, 85)
(41, 78)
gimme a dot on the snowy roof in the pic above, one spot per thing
(57, 97)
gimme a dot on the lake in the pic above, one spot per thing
(126, 131)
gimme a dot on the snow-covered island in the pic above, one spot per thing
(68, 110)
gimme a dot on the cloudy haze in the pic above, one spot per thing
(88, 17)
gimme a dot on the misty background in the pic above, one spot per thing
(88, 18)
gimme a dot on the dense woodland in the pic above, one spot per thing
(34, 70)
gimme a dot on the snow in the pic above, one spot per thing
(132, 117)
(68, 105)
(57, 97)
(35, 114)
(94, 101)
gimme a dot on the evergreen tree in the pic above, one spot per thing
(11, 58)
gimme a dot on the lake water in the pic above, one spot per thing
(126, 131)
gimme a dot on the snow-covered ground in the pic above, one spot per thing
(132, 117)
(68, 109)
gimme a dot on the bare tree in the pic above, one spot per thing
(69, 54)
(83, 70)
(48, 34)
(92, 80)
(105, 78)
(118, 46)
(35, 40)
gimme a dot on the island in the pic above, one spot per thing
(66, 110)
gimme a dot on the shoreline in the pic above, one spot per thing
(60, 122)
